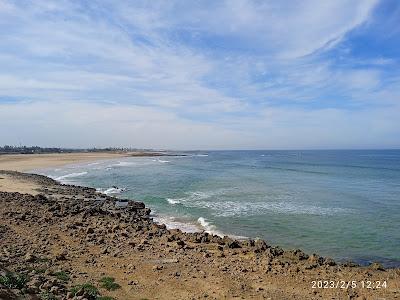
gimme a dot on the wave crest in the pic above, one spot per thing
(71, 175)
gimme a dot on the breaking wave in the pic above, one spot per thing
(71, 175)
(112, 190)
(173, 201)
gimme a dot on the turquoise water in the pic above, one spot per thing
(342, 204)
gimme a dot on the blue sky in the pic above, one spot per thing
(200, 74)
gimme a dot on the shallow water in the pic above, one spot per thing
(342, 204)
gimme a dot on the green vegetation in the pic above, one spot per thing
(43, 259)
(105, 298)
(109, 283)
(7, 149)
(62, 276)
(47, 296)
(88, 289)
(14, 281)
(36, 270)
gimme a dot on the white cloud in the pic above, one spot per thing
(286, 29)
(161, 65)
(89, 124)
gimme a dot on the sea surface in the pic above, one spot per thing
(341, 204)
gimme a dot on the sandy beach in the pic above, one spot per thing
(27, 162)
(67, 239)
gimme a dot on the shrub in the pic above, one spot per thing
(14, 281)
(62, 275)
(47, 296)
(109, 283)
(88, 288)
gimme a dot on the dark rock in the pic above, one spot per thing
(233, 244)
(376, 266)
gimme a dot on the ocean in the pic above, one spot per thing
(341, 204)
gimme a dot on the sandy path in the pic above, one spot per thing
(11, 184)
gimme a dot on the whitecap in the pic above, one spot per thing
(72, 175)
(111, 190)
(123, 164)
(208, 227)
(163, 161)
(173, 223)
(173, 201)
(236, 208)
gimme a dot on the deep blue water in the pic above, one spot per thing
(341, 204)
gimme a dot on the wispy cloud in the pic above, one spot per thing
(236, 73)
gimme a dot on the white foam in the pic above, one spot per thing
(199, 195)
(71, 175)
(208, 227)
(123, 164)
(163, 161)
(236, 208)
(111, 190)
(173, 201)
(173, 223)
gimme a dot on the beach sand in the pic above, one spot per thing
(27, 162)
(47, 228)
(11, 184)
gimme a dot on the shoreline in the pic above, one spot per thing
(196, 226)
(28, 162)
(147, 259)
(87, 235)
(44, 161)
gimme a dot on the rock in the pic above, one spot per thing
(310, 265)
(376, 266)
(350, 264)
(144, 242)
(297, 255)
(260, 246)
(180, 243)
(233, 244)
(329, 261)
(274, 251)
(249, 243)
(29, 257)
(62, 255)
(105, 250)
(157, 268)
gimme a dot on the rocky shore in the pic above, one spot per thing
(72, 242)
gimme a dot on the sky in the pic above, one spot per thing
(198, 74)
